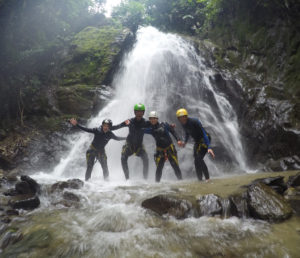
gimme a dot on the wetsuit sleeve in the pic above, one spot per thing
(173, 132)
(116, 127)
(147, 130)
(186, 137)
(206, 140)
(89, 130)
(117, 138)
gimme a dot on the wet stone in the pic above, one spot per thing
(6, 220)
(71, 183)
(276, 183)
(71, 196)
(27, 204)
(23, 188)
(33, 185)
(168, 205)
(264, 203)
(209, 205)
(294, 180)
(12, 212)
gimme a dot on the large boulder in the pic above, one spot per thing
(209, 205)
(71, 183)
(26, 204)
(276, 183)
(168, 205)
(239, 202)
(264, 203)
(294, 180)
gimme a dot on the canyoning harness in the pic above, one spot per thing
(165, 153)
(135, 150)
(201, 143)
(97, 154)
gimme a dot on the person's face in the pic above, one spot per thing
(183, 119)
(105, 128)
(139, 114)
(153, 120)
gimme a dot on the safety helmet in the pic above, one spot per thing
(181, 112)
(139, 107)
(153, 114)
(107, 121)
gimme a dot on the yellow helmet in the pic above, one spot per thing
(181, 112)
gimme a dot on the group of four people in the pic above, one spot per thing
(165, 149)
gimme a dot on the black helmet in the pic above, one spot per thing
(107, 121)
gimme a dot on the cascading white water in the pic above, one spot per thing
(164, 72)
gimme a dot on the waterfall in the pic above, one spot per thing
(164, 72)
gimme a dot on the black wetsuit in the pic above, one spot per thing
(97, 149)
(164, 148)
(134, 144)
(194, 128)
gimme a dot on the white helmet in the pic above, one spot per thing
(153, 114)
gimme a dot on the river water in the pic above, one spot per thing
(165, 73)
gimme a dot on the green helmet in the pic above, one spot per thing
(139, 107)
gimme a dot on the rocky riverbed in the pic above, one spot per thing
(253, 214)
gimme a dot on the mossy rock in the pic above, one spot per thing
(93, 52)
(77, 99)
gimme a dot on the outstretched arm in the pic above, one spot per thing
(74, 122)
(117, 138)
(119, 126)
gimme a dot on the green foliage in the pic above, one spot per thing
(130, 13)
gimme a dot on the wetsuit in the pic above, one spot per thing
(134, 144)
(97, 149)
(165, 149)
(194, 128)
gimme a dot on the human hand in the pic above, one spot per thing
(73, 121)
(211, 152)
(181, 144)
(127, 122)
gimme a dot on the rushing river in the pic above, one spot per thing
(164, 72)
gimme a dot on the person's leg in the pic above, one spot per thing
(126, 152)
(90, 161)
(200, 166)
(144, 156)
(160, 162)
(103, 161)
(172, 156)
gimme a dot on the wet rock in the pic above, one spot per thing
(6, 220)
(22, 188)
(264, 203)
(10, 192)
(163, 204)
(228, 208)
(10, 237)
(12, 212)
(294, 180)
(27, 204)
(33, 185)
(276, 183)
(67, 203)
(71, 197)
(75, 183)
(71, 183)
(209, 205)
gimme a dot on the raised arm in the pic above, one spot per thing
(119, 126)
(74, 122)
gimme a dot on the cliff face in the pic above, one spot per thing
(257, 63)
(72, 82)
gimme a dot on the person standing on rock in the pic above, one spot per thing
(134, 140)
(96, 150)
(165, 149)
(193, 127)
